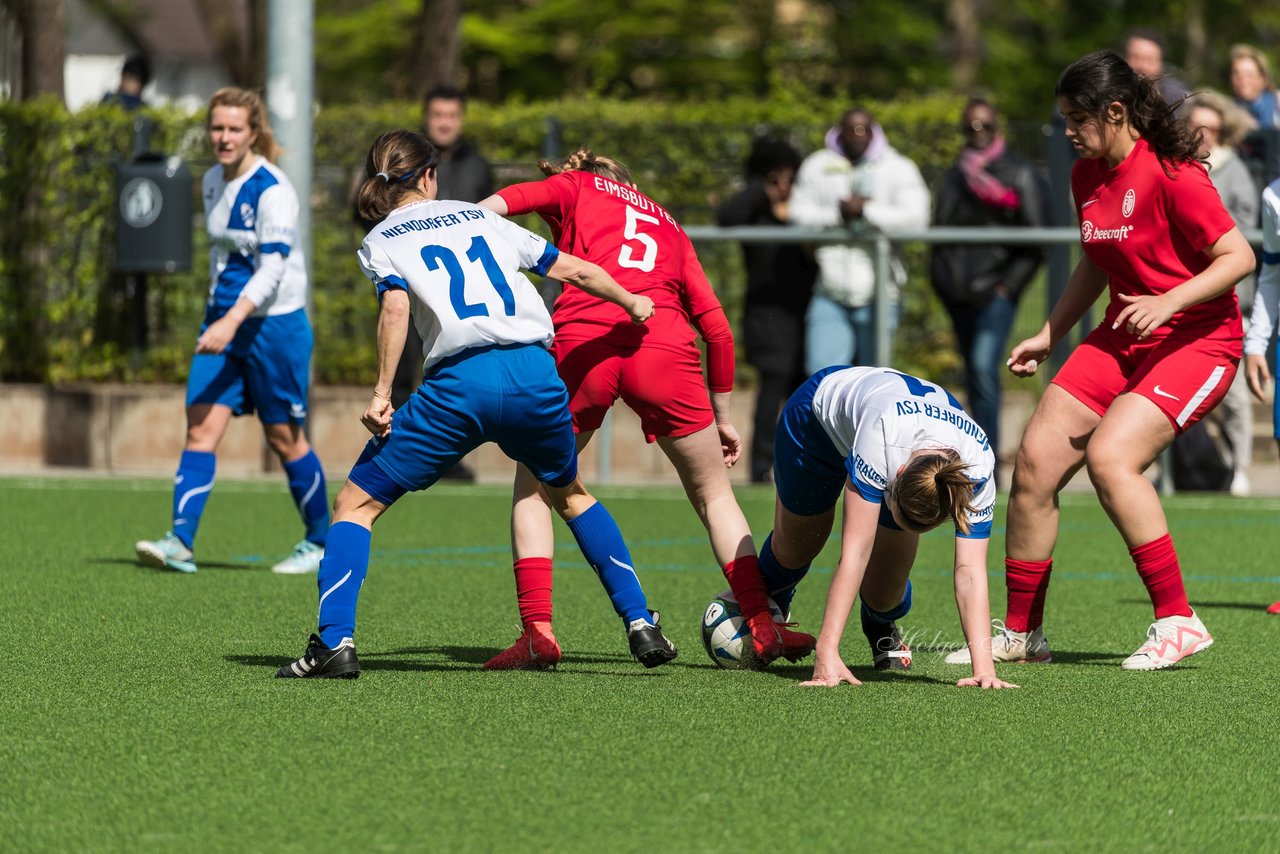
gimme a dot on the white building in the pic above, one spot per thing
(181, 38)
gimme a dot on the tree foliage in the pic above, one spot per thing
(675, 50)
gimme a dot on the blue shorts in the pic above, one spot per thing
(267, 368)
(508, 394)
(808, 470)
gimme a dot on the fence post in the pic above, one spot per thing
(552, 139)
(884, 277)
(604, 450)
(1165, 481)
(1060, 156)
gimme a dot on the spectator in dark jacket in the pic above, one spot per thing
(780, 280)
(134, 77)
(989, 186)
(462, 174)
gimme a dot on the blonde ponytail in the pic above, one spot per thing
(584, 160)
(933, 487)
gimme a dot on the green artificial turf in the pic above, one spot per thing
(139, 712)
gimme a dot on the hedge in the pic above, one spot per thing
(64, 317)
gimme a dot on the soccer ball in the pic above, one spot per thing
(726, 636)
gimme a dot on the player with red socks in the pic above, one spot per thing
(594, 209)
(1154, 230)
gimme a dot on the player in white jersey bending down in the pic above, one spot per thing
(254, 349)
(906, 458)
(488, 377)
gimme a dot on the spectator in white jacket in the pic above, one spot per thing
(858, 176)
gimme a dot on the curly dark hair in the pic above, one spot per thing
(1095, 81)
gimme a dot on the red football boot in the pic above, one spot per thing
(774, 640)
(1274, 609)
(766, 638)
(795, 645)
(535, 649)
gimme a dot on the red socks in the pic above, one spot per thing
(533, 590)
(747, 585)
(1027, 583)
(1157, 563)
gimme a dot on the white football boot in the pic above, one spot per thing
(1169, 640)
(168, 552)
(306, 558)
(1008, 645)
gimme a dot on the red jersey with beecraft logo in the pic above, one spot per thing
(1147, 230)
(638, 243)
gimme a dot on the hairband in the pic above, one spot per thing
(408, 176)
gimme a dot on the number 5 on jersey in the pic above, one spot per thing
(626, 255)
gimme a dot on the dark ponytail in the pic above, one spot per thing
(396, 161)
(1093, 82)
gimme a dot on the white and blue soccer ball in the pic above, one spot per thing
(726, 636)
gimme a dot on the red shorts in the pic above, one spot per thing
(1184, 376)
(664, 387)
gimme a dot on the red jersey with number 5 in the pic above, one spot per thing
(643, 248)
(1147, 230)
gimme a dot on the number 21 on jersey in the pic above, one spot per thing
(627, 255)
(436, 256)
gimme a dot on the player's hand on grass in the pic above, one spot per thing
(1144, 314)
(217, 337)
(1257, 375)
(985, 682)
(377, 417)
(1027, 356)
(641, 308)
(828, 673)
(730, 443)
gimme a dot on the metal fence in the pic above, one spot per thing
(881, 246)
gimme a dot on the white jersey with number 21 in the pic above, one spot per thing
(461, 265)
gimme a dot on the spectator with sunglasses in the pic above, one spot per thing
(987, 187)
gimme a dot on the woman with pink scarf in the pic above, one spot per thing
(989, 186)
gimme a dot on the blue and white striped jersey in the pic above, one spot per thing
(877, 417)
(461, 265)
(252, 252)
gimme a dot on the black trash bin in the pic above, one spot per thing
(153, 215)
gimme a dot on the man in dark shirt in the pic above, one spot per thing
(462, 174)
(780, 280)
(134, 77)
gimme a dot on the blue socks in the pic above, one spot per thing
(780, 580)
(896, 613)
(602, 545)
(345, 564)
(191, 488)
(306, 483)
